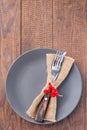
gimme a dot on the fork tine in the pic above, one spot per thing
(57, 62)
(63, 55)
(59, 52)
(56, 54)
(56, 59)
(61, 58)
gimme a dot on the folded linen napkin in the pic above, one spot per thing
(51, 109)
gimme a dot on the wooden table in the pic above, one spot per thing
(28, 24)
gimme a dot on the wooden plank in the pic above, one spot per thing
(36, 24)
(85, 51)
(69, 34)
(9, 50)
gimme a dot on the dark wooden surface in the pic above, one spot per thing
(28, 24)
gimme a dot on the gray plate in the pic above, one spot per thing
(26, 78)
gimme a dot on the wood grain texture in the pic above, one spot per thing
(28, 24)
(9, 50)
(69, 24)
(36, 24)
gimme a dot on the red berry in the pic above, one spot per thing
(54, 94)
(48, 90)
(45, 91)
(54, 89)
(50, 86)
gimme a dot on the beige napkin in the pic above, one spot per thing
(51, 110)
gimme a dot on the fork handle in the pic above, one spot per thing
(42, 108)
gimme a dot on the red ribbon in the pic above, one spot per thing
(52, 90)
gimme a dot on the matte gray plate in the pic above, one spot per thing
(26, 78)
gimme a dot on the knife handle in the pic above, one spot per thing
(41, 111)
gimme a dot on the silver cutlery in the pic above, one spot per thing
(55, 69)
(56, 66)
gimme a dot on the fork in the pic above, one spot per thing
(55, 68)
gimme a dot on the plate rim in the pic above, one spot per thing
(12, 64)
